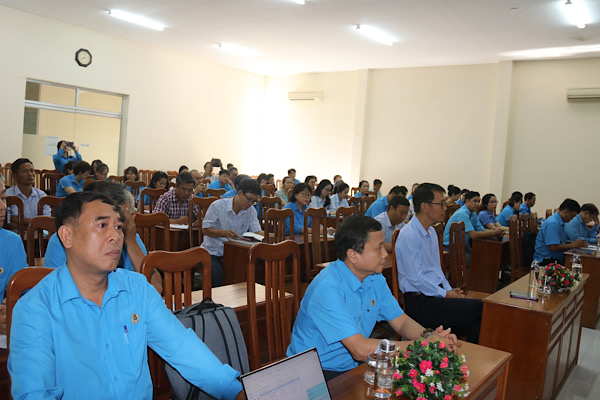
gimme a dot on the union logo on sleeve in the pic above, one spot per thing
(135, 318)
(1, 270)
(373, 302)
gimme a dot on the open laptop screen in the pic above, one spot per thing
(299, 377)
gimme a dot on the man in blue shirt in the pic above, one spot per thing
(578, 228)
(292, 174)
(62, 155)
(83, 331)
(525, 207)
(74, 183)
(342, 304)
(428, 297)
(381, 205)
(551, 240)
(222, 182)
(393, 219)
(236, 183)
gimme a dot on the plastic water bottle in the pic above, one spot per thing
(534, 274)
(384, 371)
(576, 267)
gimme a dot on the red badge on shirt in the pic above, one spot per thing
(135, 318)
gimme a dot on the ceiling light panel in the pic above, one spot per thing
(136, 19)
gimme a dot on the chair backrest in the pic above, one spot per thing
(197, 208)
(50, 181)
(359, 203)
(22, 280)
(458, 257)
(439, 230)
(368, 201)
(269, 190)
(153, 195)
(279, 183)
(316, 246)
(38, 178)
(264, 204)
(275, 224)
(116, 178)
(178, 272)
(548, 213)
(50, 201)
(145, 175)
(88, 182)
(353, 191)
(19, 218)
(515, 231)
(36, 242)
(154, 230)
(8, 176)
(218, 193)
(135, 187)
(343, 212)
(279, 314)
(395, 285)
(451, 209)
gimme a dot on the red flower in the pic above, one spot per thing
(425, 365)
(413, 373)
(567, 282)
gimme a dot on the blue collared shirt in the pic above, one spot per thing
(217, 185)
(337, 203)
(388, 228)
(60, 161)
(576, 229)
(68, 181)
(551, 232)
(64, 346)
(524, 209)
(418, 258)
(460, 202)
(469, 218)
(220, 215)
(12, 257)
(336, 306)
(231, 193)
(486, 217)
(378, 206)
(29, 203)
(505, 214)
(298, 218)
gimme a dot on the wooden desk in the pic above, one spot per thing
(591, 265)
(543, 337)
(486, 261)
(487, 380)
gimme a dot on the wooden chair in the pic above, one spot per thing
(275, 225)
(353, 191)
(343, 212)
(36, 239)
(22, 280)
(359, 203)
(206, 181)
(439, 230)
(395, 285)
(368, 200)
(19, 218)
(279, 184)
(266, 203)
(268, 190)
(145, 175)
(316, 246)
(451, 209)
(8, 176)
(548, 213)
(50, 181)
(135, 187)
(528, 222)
(515, 228)
(50, 201)
(147, 226)
(279, 314)
(458, 261)
(116, 178)
(217, 193)
(38, 178)
(153, 195)
(88, 182)
(197, 208)
(172, 175)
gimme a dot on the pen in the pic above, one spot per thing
(125, 331)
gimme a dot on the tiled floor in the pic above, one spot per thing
(584, 382)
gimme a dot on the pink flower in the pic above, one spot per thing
(413, 373)
(421, 388)
(425, 365)
(397, 375)
(447, 397)
(406, 356)
(465, 375)
(456, 388)
(437, 371)
(442, 345)
(566, 282)
(431, 389)
(463, 368)
(444, 363)
(424, 343)
(399, 392)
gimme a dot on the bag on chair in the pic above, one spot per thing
(218, 327)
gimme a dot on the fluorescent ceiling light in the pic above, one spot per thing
(553, 52)
(375, 34)
(576, 12)
(299, 1)
(237, 50)
(136, 19)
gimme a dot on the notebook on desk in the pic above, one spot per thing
(299, 377)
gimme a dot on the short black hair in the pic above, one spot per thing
(184, 177)
(529, 196)
(224, 172)
(486, 200)
(182, 168)
(516, 197)
(69, 165)
(101, 167)
(309, 177)
(452, 190)
(291, 170)
(80, 167)
(60, 142)
(353, 233)
(398, 201)
(322, 185)
(112, 190)
(570, 205)
(464, 191)
(133, 170)
(377, 182)
(249, 185)
(589, 207)
(403, 190)
(471, 194)
(70, 208)
(299, 188)
(17, 164)
(262, 177)
(238, 179)
(157, 176)
(232, 168)
(230, 165)
(397, 191)
(424, 193)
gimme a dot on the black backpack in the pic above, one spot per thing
(218, 327)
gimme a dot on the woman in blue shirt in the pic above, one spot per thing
(131, 174)
(511, 208)
(73, 183)
(363, 189)
(321, 195)
(488, 209)
(159, 180)
(288, 184)
(298, 203)
(339, 197)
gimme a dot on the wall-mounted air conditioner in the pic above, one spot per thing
(583, 94)
(302, 96)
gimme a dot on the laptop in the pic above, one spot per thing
(298, 377)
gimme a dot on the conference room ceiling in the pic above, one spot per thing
(320, 35)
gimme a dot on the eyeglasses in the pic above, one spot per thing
(441, 204)
(251, 201)
(306, 194)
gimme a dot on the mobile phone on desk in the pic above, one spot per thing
(522, 295)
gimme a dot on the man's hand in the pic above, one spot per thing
(74, 148)
(499, 232)
(3, 317)
(579, 243)
(446, 337)
(129, 230)
(183, 220)
(229, 234)
(456, 293)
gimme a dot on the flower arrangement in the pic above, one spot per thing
(428, 370)
(559, 278)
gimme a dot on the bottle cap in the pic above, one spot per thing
(387, 346)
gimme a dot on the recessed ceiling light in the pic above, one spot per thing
(299, 1)
(375, 34)
(237, 50)
(136, 19)
(576, 12)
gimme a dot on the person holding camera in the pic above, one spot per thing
(62, 155)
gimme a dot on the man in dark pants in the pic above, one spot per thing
(429, 299)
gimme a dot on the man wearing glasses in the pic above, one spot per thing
(428, 297)
(228, 219)
(175, 203)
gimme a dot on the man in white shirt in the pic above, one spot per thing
(24, 174)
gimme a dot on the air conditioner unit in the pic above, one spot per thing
(583, 94)
(299, 96)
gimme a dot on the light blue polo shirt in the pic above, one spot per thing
(336, 306)
(378, 206)
(231, 193)
(523, 209)
(217, 185)
(486, 217)
(68, 181)
(65, 346)
(505, 215)
(298, 218)
(12, 257)
(576, 229)
(469, 218)
(551, 232)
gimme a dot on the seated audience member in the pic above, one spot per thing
(175, 203)
(320, 197)
(68, 168)
(453, 195)
(132, 174)
(363, 189)
(95, 164)
(159, 180)
(270, 179)
(403, 191)
(101, 172)
(342, 304)
(382, 204)
(461, 197)
(222, 182)
(12, 256)
(377, 188)
(24, 175)
(208, 172)
(412, 191)
(486, 215)
(229, 165)
(551, 240)
(578, 227)
(336, 178)
(199, 186)
(339, 198)
(511, 208)
(183, 168)
(236, 183)
(228, 219)
(311, 181)
(73, 183)
(529, 201)
(292, 174)
(62, 155)
(428, 297)
(393, 219)
(298, 203)
(59, 327)
(233, 173)
(288, 184)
